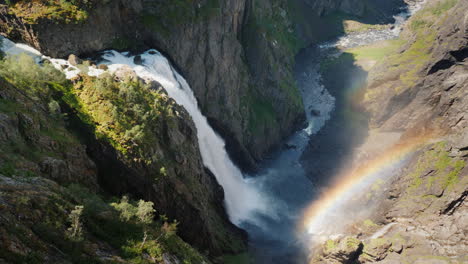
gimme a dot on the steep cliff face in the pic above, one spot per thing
(202, 39)
(45, 173)
(270, 44)
(420, 216)
(424, 82)
(118, 137)
(43, 222)
(417, 91)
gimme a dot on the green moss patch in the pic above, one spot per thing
(417, 41)
(66, 11)
(444, 170)
(237, 259)
(179, 12)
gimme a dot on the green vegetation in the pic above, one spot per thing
(419, 41)
(32, 88)
(72, 220)
(127, 118)
(125, 113)
(66, 11)
(369, 223)
(275, 27)
(7, 169)
(441, 7)
(179, 12)
(37, 81)
(352, 242)
(352, 26)
(269, 23)
(406, 57)
(375, 52)
(75, 231)
(262, 114)
(330, 245)
(122, 44)
(237, 259)
(289, 86)
(446, 169)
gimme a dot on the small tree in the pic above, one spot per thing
(145, 215)
(145, 212)
(126, 209)
(54, 108)
(168, 229)
(75, 231)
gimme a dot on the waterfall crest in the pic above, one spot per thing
(242, 200)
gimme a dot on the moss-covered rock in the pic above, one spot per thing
(400, 81)
(206, 35)
(116, 134)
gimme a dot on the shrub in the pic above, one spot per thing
(34, 79)
(67, 11)
(75, 231)
(54, 107)
(126, 209)
(126, 113)
(145, 212)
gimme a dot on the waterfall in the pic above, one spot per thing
(243, 201)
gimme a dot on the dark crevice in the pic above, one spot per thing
(452, 207)
(451, 59)
(460, 55)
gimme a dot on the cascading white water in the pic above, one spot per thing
(242, 200)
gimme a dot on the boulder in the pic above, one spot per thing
(124, 73)
(74, 60)
(346, 250)
(138, 60)
(103, 67)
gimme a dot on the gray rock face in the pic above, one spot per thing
(202, 39)
(34, 144)
(421, 214)
(30, 136)
(440, 90)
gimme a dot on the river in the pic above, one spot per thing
(270, 204)
(312, 156)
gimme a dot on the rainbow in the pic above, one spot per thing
(324, 211)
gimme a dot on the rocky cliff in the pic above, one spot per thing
(418, 90)
(243, 100)
(105, 138)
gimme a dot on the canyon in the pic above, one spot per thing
(264, 131)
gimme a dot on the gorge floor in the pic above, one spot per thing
(337, 130)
